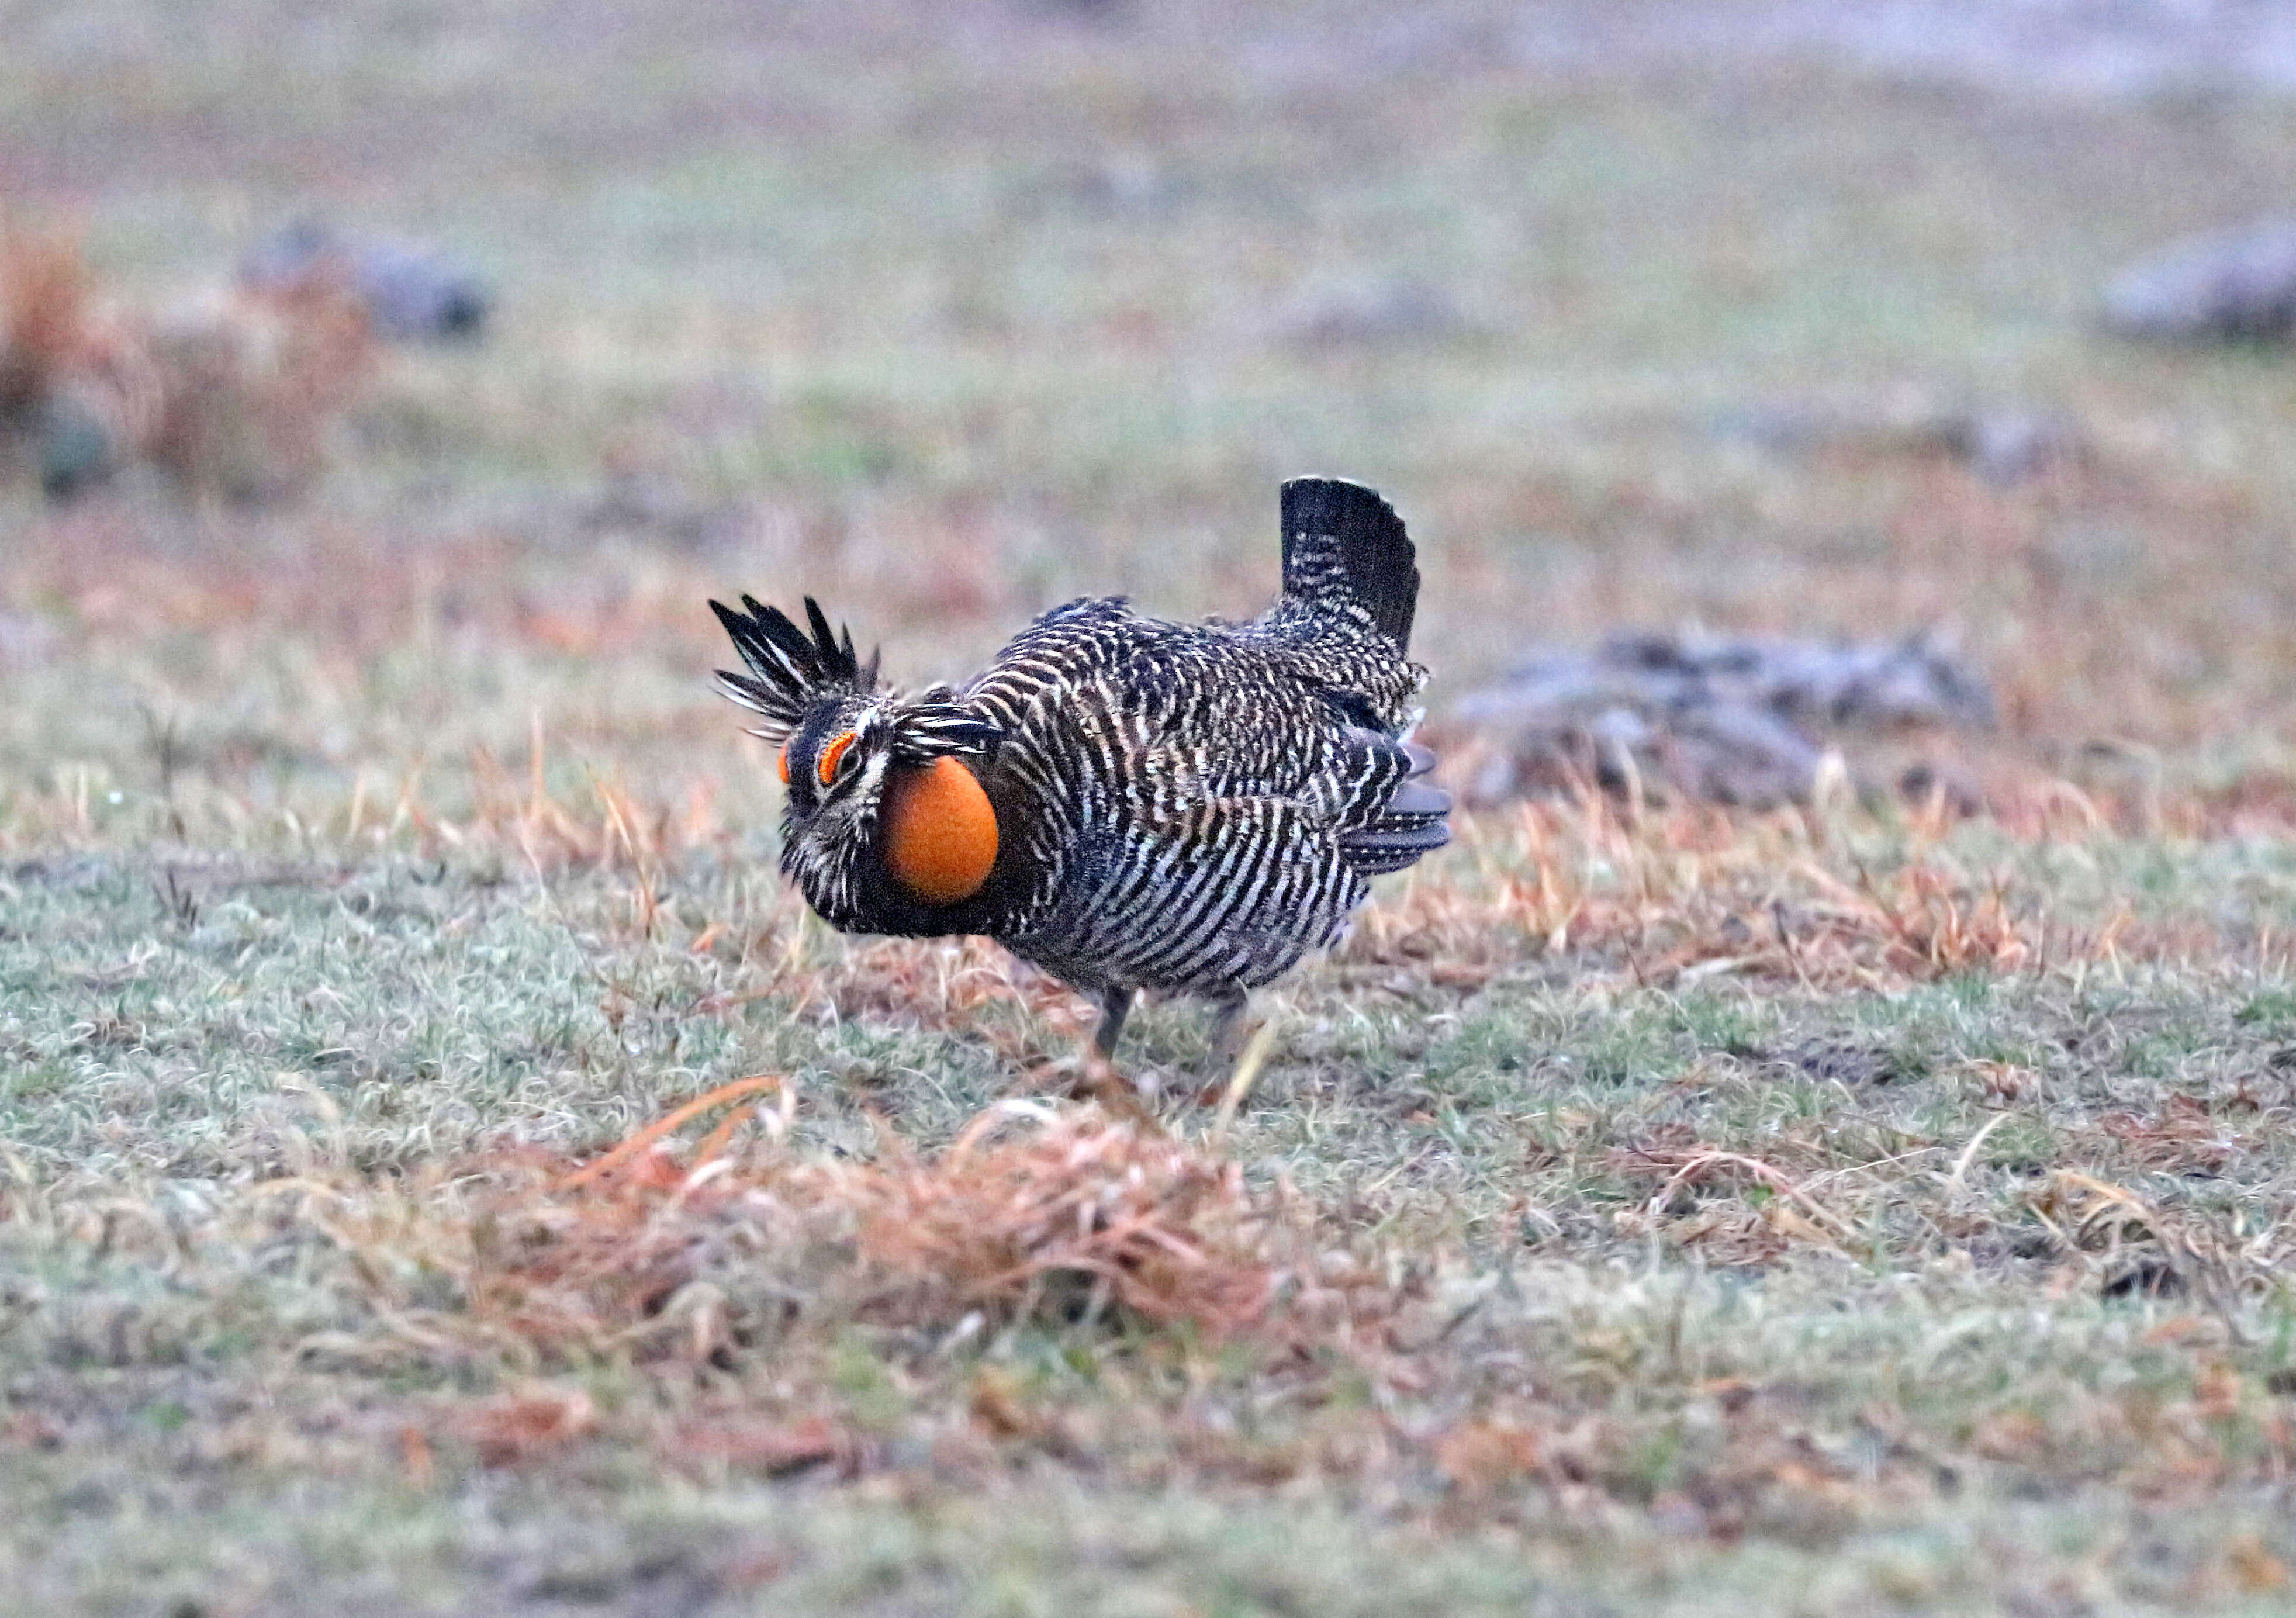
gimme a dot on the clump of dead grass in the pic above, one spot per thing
(768, 1310)
(44, 315)
(253, 385)
(1034, 1214)
(1074, 1217)
(233, 394)
(960, 982)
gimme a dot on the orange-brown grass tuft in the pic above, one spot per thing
(613, 830)
(1072, 1217)
(1032, 1215)
(254, 386)
(43, 315)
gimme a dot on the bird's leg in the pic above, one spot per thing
(1115, 1005)
(1228, 1026)
(1099, 1078)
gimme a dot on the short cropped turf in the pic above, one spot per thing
(443, 1169)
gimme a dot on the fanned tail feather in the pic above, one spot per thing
(1344, 546)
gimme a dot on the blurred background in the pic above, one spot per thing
(384, 385)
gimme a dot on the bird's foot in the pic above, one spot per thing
(1096, 1078)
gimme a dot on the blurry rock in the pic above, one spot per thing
(1706, 719)
(1098, 12)
(1391, 309)
(1123, 184)
(2004, 445)
(2227, 286)
(411, 293)
(75, 447)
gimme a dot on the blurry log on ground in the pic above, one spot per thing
(411, 293)
(2004, 444)
(2227, 286)
(1373, 312)
(1702, 717)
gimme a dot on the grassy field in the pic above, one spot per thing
(1849, 1210)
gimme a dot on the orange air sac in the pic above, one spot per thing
(940, 833)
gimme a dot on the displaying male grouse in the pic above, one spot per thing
(1128, 804)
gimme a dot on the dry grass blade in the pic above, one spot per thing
(1813, 1222)
(662, 1127)
(1239, 1085)
(1958, 1178)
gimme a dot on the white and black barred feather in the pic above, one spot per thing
(1189, 808)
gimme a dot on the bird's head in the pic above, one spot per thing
(885, 814)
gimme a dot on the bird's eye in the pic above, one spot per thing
(781, 763)
(832, 756)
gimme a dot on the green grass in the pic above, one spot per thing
(1722, 1232)
(209, 1392)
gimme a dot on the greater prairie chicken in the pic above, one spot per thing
(1128, 804)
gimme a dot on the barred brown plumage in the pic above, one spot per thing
(1183, 808)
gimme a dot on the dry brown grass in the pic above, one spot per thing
(253, 387)
(235, 395)
(1033, 1214)
(613, 830)
(729, 1276)
(1674, 897)
(43, 315)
